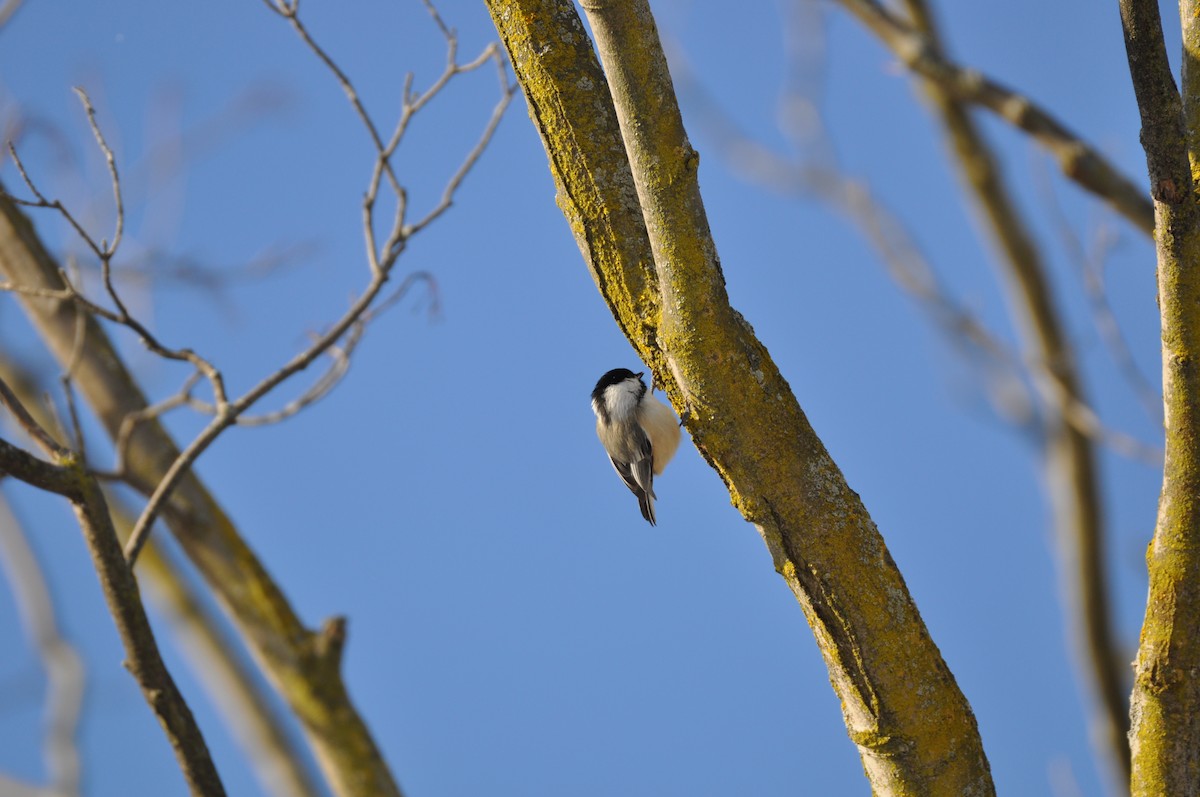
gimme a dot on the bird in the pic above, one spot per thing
(639, 433)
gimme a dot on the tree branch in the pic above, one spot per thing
(67, 476)
(262, 613)
(297, 661)
(1078, 160)
(216, 657)
(736, 404)
(1070, 458)
(1165, 737)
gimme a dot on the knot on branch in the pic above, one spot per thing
(328, 643)
(1166, 190)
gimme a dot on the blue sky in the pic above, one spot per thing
(515, 627)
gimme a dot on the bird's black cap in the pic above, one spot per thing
(611, 378)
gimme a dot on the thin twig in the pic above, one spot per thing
(1070, 455)
(67, 476)
(104, 254)
(1078, 160)
(1090, 266)
(107, 249)
(381, 261)
(31, 427)
(508, 91)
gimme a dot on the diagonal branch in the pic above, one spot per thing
(667, 292)
(304, 665)
(1078, 160)
(215, 656)
(67, 476)
(1070, 458)
(310, 682)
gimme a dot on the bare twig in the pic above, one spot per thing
(131, 421)
(1070, 457)
(62, 665)
(1090, 265)
(381, 260)
(508, 91)
(304, 665)
(107, 250)
(104, 253)
(1078, 160)
(68, 477)
(214, 654)
(27, 422)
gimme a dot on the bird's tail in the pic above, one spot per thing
(646, 504)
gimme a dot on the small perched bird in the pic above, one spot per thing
(639, 432)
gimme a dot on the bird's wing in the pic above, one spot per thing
(639, 478)
(625, 471)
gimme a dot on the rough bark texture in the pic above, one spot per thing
(902, 707)
(1165, 734)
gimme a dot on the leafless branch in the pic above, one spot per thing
(381, 260)
(1070, 456)
(303, 664)
(218, 660)
(66, 476)
(32, 428)
(508, 91)
(214, 655)
(1090, 265)
(105, 253)
(106, 250)
(132, 420)
(1078, 160)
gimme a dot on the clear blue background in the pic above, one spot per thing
(515, 628)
